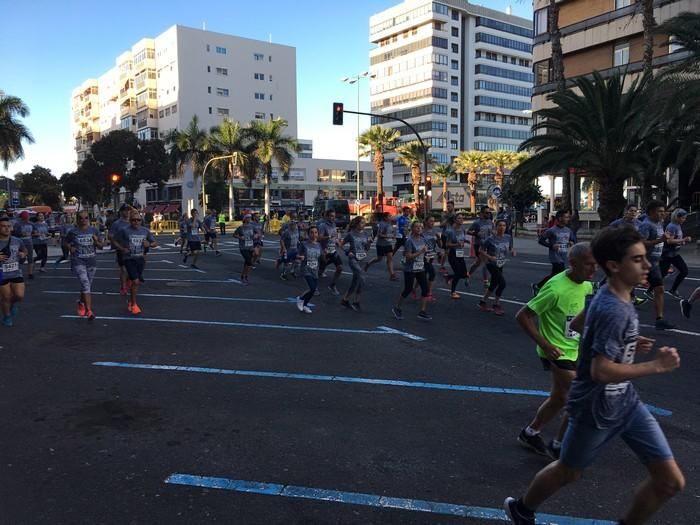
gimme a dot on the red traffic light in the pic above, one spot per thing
(115, 178)
(337, 113)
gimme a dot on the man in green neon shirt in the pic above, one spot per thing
(558, 302)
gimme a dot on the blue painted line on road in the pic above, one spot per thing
(369, 500)
(381, 330)
(348, 379)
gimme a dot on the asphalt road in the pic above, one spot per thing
(277, 417)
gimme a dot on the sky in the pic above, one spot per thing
(48, 47)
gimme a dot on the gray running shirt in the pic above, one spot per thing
(132, 238)
(650, 231)
(84, 244)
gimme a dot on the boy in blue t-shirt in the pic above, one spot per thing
(603, 403)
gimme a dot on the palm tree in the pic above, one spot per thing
(228, 139)
(375, 141)
(189, 148)
(685, 29)
(649, 26)
(503, 160)
(474, 163)
(412, 154)
(607, 132)
(268, 144)
(444, 172)
(12, 131)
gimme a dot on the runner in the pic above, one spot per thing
(24, 230)
(245, 234)
(289, 248)
(356, 245)
(629, 218)
(494, 250)
(385, 245)
(65, 228)
(558, 239)
(40, 238)
(83, 242)
(309, 254)
(133, 242)
(258, 224)
(403, 223)
(687, 305)
(12, 251)
(414, 251)
(481, 229)
(328, 237)
(561, 299)
(210, 232)
(653, 237)
(455, 242)
(671, 256)
(603, 403)
(182, 239)
(447, 216)
(431, 238)
(194, 241)
(118, 225)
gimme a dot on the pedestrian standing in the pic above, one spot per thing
(222, 223)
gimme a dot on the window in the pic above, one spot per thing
(454, 144)
(259, 96)
(210, 110)
(454, 97)
(488, 38)
(455, 14)
(621, 56)
(454, 64)
(503, 26)
(501, 103)
(454, 129)
(208, 48)
(503, 73)
(208, 69)
(208, 89)
(221, 50)
(619, 4)
(174, 109)
(269, 58)
(259, 116)
(454, 81)
(455, 31)
(454, 113)
(167, 112)
(440, 75)
(455, 48)
(222, 112)
(543, 72)
(258, 57)
(541, 21)
(503, 88)
(673, 45)
(222, 71)
(259, 76)
(222, 92)
(160, 114)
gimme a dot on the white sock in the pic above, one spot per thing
(529, 431)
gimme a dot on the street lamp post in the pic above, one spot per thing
(204, 171)
(356, 80)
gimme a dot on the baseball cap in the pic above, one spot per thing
(24, 214)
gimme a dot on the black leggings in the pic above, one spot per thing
(678, 262)
(459, 268)
(557, 268)
(498, 282)
(41, 253)
(409, 277)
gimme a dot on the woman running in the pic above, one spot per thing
(456, 242)
(356, 245)
(12, 251)
(671, 254)
(432, 238)
(414, 251)
(245, 234)
(309, 255)
(24, 230)
(495, 249)
(385, 245)
(83, 242)
(40, 238)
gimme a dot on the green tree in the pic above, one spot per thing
(151, 165)
(443, 172)
(412, 155)
(474, 163)
(603, 130)
(12, 131)
(228, 139)
(269, 143)
(521, 193)
(114, 153)
(375, 142)
(189, 147)
(39, 187)
(88, 184)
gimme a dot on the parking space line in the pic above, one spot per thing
(370, 500)
(381, 330)
(347, 379)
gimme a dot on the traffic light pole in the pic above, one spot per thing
(425, 150)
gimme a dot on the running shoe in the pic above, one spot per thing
(674, 294)
(355, 307)
(455, 295)
(283, 276)
(649, 294)
(81, 309)
(686, 307)
(334, 290)
(194, 266)
(135, 309)
(317, 292)
(425, 316)
(663, 324)
(510, 505)
(498, 310)
(244, 281)
(639, 301)
(308, 310)
(535, 289)
(485, 307)
(553, 451)
(534, 443)
(397, 313)
(7, 320)
(345, 303)
(90, 316)
(300, 304)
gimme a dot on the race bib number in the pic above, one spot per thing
(248, 243)
(500, 263)
(418, 264)
(360, 255)
(330, 249)
(312, 263)
(568, 332)
(459, 254)
(10, 267)
(429, 256)
(563, 248)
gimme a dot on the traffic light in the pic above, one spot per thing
(428, 184)
(337, 113)
(115, 178)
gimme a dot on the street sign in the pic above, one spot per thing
(14, 198)
(15, 202)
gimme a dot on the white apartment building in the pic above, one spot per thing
(461, 74)
(162, 82)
